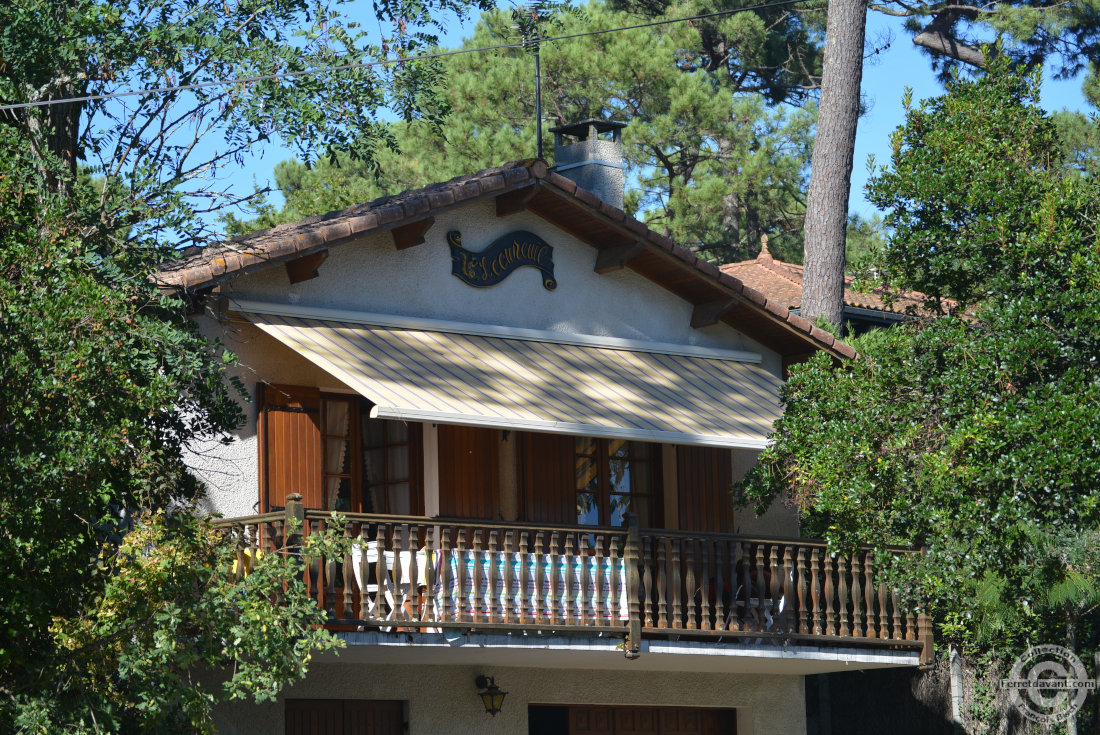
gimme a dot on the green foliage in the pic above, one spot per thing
(714, 166)
(105, 385)
(972, 437)
(1080, 138)
(1064, 35)
(159, 154)
(149, 652)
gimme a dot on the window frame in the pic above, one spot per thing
(603, 459)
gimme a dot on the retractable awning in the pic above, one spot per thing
(585, 387)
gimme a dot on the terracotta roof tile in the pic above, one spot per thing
(782, 282)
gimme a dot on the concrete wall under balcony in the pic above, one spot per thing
(442, 700)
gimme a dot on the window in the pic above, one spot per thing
(614, 477)
(387, 475)
(327, 448)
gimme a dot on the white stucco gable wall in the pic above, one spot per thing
(371, 276)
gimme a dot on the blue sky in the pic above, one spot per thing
(885, 78)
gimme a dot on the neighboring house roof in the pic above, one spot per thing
(782, 282)
(621, 240)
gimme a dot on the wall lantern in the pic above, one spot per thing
(490, 694)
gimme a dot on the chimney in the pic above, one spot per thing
(590, 152)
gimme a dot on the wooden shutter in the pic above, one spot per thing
(314, 717)
(290, 431)
(374, 717)
(548, 481)
(704, 476)
(469, 472)
(591, 721)
(344, 717)
(637, 721)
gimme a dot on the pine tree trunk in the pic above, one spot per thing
(831, 166)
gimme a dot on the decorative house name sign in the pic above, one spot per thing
(496, 262)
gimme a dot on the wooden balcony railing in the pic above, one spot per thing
(415, 573)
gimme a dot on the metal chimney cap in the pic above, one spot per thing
(581, 127)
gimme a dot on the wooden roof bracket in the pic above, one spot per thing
(514, 202)
(412, 234)
(710, 312)
(305, 267)
(616, 258)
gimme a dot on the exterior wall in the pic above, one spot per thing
(780, 519)
(371, 276)
(442, 699)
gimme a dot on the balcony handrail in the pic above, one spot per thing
(792, 540)
(405, 572)
(314, 514)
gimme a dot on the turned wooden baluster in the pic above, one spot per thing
(869, 596)
(401, 572)
(570, 579)
(598, 561)
(381, 574)
(803, 591)
(911, 632)
(790, 603)
(633, 549)
(762, 589)
(526, 608)
(509, 598)
(431, 555)
(842, 596)
(883, 613)
(707, 585)
(555, 577)
(817, 626)
(649, 617)
(857, 597)
(662, 583)
(477, 590)
(538, 595)
(898, 633)
(738, 578)
(412, 546)
(618, 593)
(721, 573)
(446, 574)
(676, 585)
(493, 571)
(830, 594)
(581, 565)
(349, 576)
(366, 604)
(463, 582)
(776, 590)
(691, 588)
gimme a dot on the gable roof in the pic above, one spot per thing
(782, 282)
(621, 240)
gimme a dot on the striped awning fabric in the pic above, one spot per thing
(526, 384)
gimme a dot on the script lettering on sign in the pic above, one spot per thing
(496, 262)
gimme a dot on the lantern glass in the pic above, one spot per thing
(491, 695)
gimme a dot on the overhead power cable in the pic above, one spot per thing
(389, 62)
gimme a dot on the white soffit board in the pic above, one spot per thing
(524, 384)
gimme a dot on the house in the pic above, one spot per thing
(781, 283)
(530, 408)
